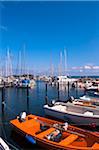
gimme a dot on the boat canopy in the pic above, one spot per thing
(25, 81)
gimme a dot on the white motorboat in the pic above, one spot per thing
(63, 80)
(96, 93)
(85, 97)
(94, 88)
(26, 82)
(75, 112)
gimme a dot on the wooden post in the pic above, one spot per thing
(46, 98)
(76, 89)
(27, 91)
(68, 88)
(46, 89)
(3, 97)
(65, 88)
(58, 91)
(27, 98)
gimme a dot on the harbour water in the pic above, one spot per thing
(16, 101)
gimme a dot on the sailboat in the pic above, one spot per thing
(63, 79)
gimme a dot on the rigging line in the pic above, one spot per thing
(5, 137)
(4, 133)
(3, 130)
(12, 146)
(6, 106)
(4, 122)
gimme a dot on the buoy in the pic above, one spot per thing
(30, 139)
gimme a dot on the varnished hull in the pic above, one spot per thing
(76, 139)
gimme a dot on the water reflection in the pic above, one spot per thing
(16, 101)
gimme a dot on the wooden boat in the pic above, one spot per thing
(77, 112)
(54, 135)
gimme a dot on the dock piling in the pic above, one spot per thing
(3, 97)
(27, 98)
(46, 89)
(58, 91)
(76, 89)
(46, 97)
(27, 91)
(68, 89)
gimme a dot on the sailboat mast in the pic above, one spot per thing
(60, 65)
(51, 67)
(6, 68)
(20, 63)
(65, 61)
(24, 65)
(8, 64)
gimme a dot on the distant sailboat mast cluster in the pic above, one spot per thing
(8, 68)
(9, 71)
(62, 66)
(63, 63)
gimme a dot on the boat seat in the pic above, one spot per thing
(95, 146)
(44, 133)
(70, 139)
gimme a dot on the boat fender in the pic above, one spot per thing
(22, 117)
(30, 139)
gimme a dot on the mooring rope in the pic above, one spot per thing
(4, 133)
(12, 146)
(6, 106)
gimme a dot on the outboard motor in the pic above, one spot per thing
(22, 117)
(52, 103)
(70, 99)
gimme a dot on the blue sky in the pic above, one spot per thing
(46, 28)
